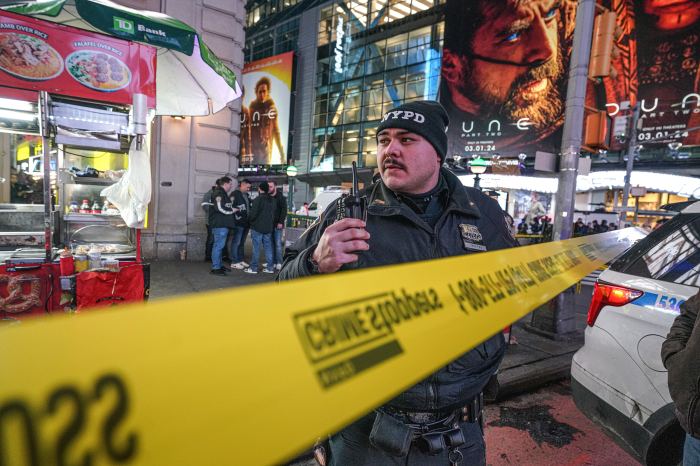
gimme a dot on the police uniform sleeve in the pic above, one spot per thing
(297, 257)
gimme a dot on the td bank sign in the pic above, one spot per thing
(127, 26)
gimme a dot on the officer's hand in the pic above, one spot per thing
(339, 242)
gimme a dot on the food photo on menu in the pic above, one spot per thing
(28, 57)
(98, 70)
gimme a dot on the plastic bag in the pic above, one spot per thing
(132, 193)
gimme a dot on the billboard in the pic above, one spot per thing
(45, 56)
(505, 72)
(266, 108)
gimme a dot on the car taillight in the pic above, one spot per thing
(605, 294)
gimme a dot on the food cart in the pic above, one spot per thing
(74, 101)
(72, 105)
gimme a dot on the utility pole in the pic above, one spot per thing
(574, 120)
(631, 149)
(557, 318)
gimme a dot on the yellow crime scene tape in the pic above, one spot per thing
(255, 375)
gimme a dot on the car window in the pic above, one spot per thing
(674, 258)
(313, 206)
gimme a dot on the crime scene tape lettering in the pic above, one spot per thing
(74, 405)
(360, 332)
(211, 378)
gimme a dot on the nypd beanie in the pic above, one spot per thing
(426, 118)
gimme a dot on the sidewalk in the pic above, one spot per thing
(172, 278)
(533, 360)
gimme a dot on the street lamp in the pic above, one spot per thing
(478, 167)
(291, 173)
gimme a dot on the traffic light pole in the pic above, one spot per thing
(556, 319)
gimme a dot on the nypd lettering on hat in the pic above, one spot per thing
(404, 115)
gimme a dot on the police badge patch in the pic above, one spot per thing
(471, 237)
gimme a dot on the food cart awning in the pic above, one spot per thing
(190, 79)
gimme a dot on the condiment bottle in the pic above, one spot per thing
(94, 258)
(84, 207)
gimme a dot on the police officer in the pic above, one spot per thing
(416, 210)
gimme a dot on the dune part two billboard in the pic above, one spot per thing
(505, 71)
(265, 110)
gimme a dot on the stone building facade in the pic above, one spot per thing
(188, 155)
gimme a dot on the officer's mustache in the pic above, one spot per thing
(390, 162)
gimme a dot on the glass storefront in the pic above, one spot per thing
(363, 70)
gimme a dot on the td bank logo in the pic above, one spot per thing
(123, 25)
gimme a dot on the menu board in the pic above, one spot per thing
(41, 55)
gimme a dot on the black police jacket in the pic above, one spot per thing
(221, 212)
(398, 235)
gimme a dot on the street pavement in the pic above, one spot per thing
(542, 428)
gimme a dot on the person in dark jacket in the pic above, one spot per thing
(262, 218)
(241, 201)
(280, 218)
(416, 211)
(209, 213)
(680, 354)
(221, 221)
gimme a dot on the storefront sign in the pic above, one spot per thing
(267, 90)
(41, 55)
(502, 100)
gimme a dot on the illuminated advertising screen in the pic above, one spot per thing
(505, 72)
(267, 90)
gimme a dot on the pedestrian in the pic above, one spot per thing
(604, 226)
(240, 200)
(679, 354)
(578, 227)
(595, 227)
(221, 222)
(417, 211)
(262, 218)
(208, 214)
(304, 209)
(278, 232)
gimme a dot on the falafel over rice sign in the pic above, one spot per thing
(44, 56)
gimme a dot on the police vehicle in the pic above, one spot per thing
(618, 379)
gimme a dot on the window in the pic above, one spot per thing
(675, 258)
(376, 76)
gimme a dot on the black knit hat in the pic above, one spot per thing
(426, 118)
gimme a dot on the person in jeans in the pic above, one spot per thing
(241, 201)
(278, 232)
(221, 221)
(262, 217)
(207, 205)
(680, 354)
